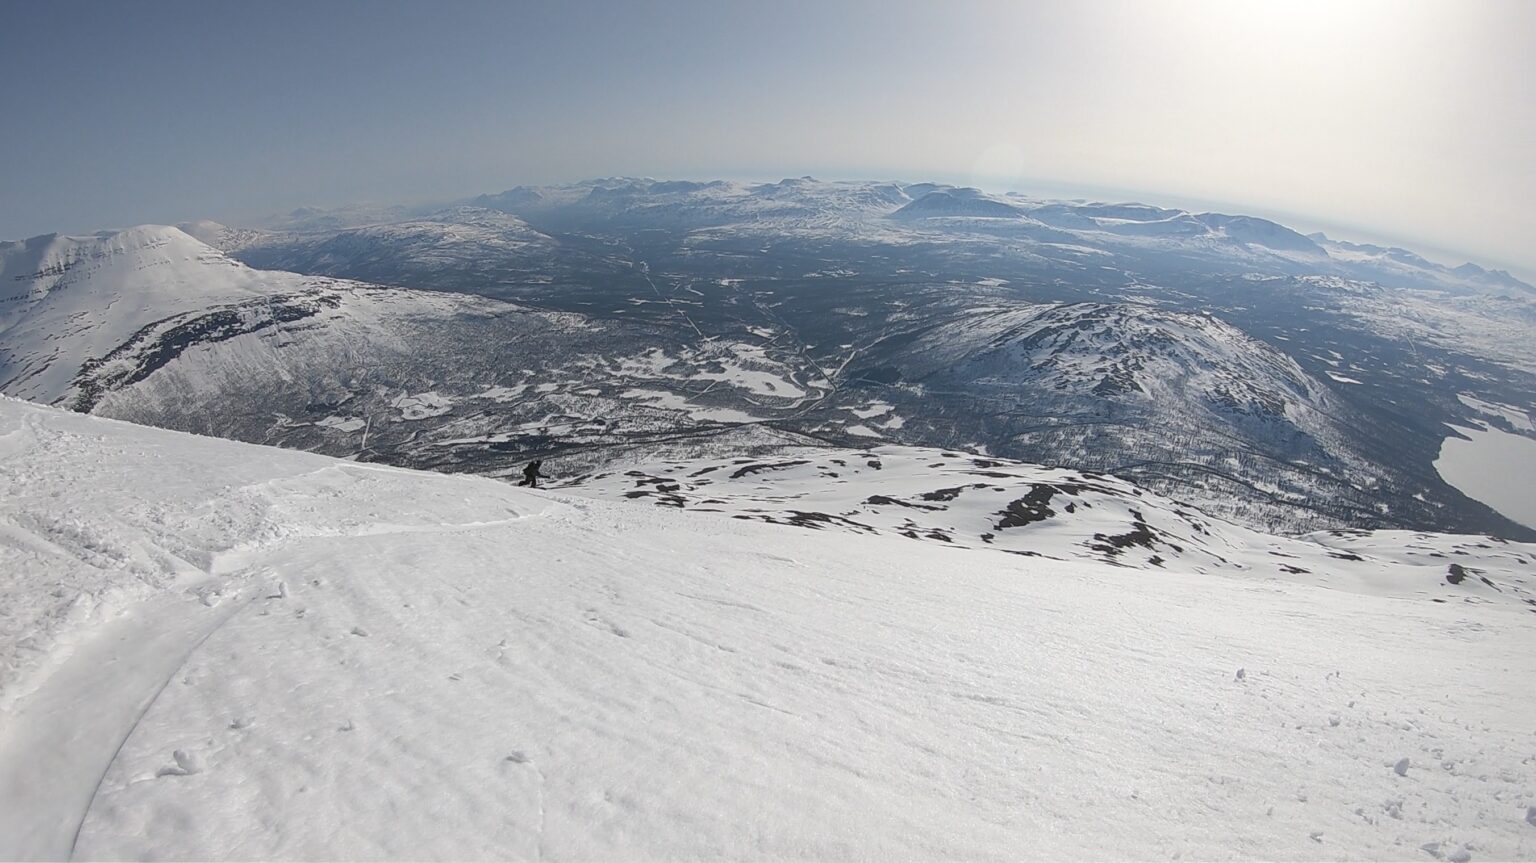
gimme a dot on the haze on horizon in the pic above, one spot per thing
(1409, 120)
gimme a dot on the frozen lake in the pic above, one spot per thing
(1494, 467)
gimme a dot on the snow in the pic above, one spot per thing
(420, 406)
(673, 401)
(215, 650)
(873, 409)
(736, 364)
(503, 394)
(959, 499)
(342, 424)
(1519, 419)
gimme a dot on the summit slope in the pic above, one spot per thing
(337, 660)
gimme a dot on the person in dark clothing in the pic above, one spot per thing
(531, 475)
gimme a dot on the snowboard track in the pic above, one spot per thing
(144, 711)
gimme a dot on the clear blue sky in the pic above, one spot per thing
(1409, 119)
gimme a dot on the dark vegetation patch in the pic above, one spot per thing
(883, 500)
(949, 493)
(661, 498)
(1140, 534)
(1028, 509)
(812, 520)
(762, 466)
(879, 375)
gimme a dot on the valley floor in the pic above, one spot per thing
(212, 650)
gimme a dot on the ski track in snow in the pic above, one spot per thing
(402, 665)
(118, 673)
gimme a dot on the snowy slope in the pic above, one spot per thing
(962, 500)
(221, 651)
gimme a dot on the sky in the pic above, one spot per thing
(1407, 120)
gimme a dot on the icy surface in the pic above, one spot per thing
(215, 650)
(1495, 467)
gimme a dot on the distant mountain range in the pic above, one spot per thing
(1291, 382)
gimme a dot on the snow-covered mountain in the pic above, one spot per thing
(1390, 263)
(66, 300)
(459, 239)
(289, 656)
(1179, 401)
(1113, 350)
(924, 212)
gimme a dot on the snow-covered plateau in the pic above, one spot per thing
(214, 650)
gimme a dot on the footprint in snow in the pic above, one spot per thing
(186, 764)
(1443, 851)
(598, 621)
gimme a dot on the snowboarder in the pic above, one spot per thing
(531, 475)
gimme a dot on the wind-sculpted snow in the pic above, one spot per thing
(219, 651)
(961, 500)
